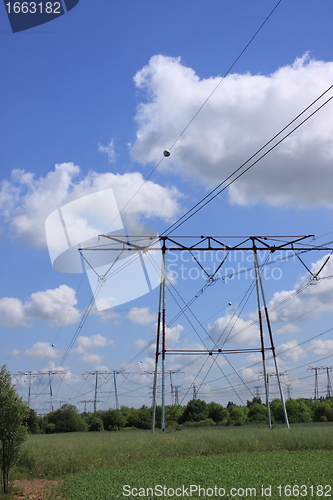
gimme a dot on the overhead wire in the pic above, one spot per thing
(201, 107)
(200, 204)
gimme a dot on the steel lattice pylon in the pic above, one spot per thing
(254, 244)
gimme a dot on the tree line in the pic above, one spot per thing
(17, 420)
(196, 413)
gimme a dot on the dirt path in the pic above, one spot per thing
(34, 489)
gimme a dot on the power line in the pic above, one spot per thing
(201, 107)
(184, 218)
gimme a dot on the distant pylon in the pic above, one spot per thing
(257, 393)
(176, 387)
(316, 391)
(289, 389)
(327, 369)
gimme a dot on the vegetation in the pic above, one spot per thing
(238, 474)
(13, 414)
(195, 413)
(55, 455)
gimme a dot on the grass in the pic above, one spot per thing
(54, 456)
(237, 475)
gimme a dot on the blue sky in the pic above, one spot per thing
(89, 102)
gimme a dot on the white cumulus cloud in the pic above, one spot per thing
(235, 330)
(290, 351)
(42, 350)
(141, 315)
(239, 118)
(55, 305)
(108, 150)
(26, 201)
(94, 359)
(90, 343)
(321, 347)
(303, 302)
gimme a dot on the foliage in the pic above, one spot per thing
(173, 413)
(257, 413)
(56, 455)
(195, 410)
(237, 471)
(32, 421)
(299, 410)
(113, 420)
(319, 410)
(216, 412)
(95, 422)
(254, 400)
(66, 419)
(13, 414)
(237, 415)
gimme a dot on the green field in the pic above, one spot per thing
(241, 475)
(96, 465)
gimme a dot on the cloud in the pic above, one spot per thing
(108, 150)
(239, 331)
(290, 351)
(321, 347)
(42, 350)
(14, 353)
(140, 343)
(12, 312)
(55, 305)
(94, 359)
(90, 343)
(27, 201)
(141, 315)
(239, 118)
(173, 334)
(313, 300)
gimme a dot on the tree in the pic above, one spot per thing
(237, 414)
(173, 413)
(257, 413)
(66, 419)
(113, 420)
(32, 422)
(95, 422)
(216, 412)
(13, 431)
(195, 410)
(277, 411)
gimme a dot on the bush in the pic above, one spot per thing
(94, 422)
(66, 419)
(237, 415)
(195, 411)
(13, 430)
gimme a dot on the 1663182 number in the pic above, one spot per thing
(33, 8)
(304, 490)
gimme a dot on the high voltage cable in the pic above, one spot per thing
(182, 309)
(201, 107)
(180, 221)
(284, 351)
(208, 334)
